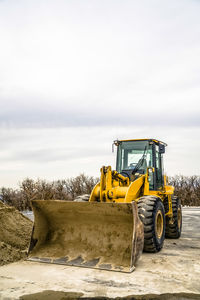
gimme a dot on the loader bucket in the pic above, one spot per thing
(86, 234)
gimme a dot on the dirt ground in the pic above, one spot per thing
(174, 273)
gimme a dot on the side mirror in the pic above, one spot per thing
(161, 148)
(115, 143)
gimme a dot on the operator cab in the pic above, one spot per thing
(135, 156)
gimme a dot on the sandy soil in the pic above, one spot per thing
(175, 270)
(15, 231)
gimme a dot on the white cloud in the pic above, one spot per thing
(79, 73)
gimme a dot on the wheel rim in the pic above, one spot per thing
(179, 217)
(159, 224)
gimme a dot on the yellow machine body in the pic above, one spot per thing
(104, 232)
(113, 187)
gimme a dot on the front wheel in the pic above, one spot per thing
(152, 214)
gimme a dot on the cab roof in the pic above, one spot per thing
(150, 140)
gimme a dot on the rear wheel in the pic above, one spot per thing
(152, 214)
(82, 198)
(174, 226)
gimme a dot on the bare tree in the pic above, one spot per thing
(80, 185)
(187, 188)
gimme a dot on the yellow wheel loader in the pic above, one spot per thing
(130, 210)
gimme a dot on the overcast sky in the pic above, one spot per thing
(75, 75)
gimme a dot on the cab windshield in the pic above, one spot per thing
(135, 156)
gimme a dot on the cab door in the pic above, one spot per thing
(158, 165)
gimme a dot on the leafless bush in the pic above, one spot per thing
(187, 188)
(60, 190)
(80, 185)
(43, 190)
(12, 197)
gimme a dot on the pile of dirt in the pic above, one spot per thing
(15, 233)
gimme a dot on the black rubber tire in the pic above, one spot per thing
(149, 207)
(82, 198)
(173, 230)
